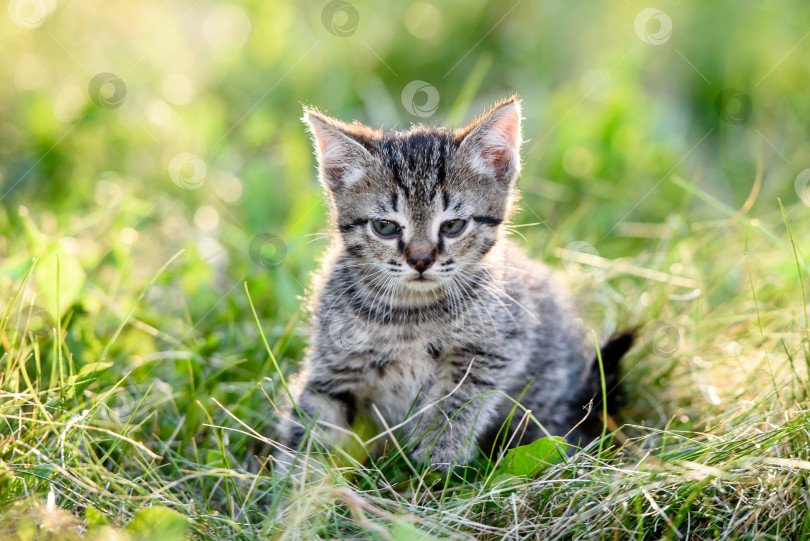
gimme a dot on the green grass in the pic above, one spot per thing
(715, 442)
(152, 318)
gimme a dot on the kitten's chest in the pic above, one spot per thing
(401, 358)
(390, 365)
(395, 377)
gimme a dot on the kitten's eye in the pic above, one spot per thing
(453, 228)
(386, 228)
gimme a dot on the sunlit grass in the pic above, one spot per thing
(715, 442)
(153, 307)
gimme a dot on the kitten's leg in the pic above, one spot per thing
(465, 404)
(320, 409)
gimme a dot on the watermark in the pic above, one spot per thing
(36, 322)
(744, 415)
(188, 171)
(653, 26)
(802, 186)
(662, 338)
(107, 90)
(576, 257)
(420, 99)
(348, 335)
(267, 250)
(577, 161)
(340, 18)
(28, 14)
(121, 405)
(733, 106)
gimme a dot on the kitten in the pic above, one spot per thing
(425, 311)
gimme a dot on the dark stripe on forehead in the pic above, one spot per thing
(397, 177)
(395, 200)
(441, 167)
(417, 160)
(433, 189)
(445, 199)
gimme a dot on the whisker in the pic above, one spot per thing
(352, 284)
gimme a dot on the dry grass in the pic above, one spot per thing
(714, 442)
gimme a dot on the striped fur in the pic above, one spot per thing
(483, 322)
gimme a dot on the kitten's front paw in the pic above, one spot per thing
(442, 455)
(281, 464)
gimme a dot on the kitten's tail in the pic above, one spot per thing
(611, 353)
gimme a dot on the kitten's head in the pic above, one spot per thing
(420, 208)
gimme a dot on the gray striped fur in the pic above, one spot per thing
(490, 324)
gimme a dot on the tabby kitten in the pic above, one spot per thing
(424, 310)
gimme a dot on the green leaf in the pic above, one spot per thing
(93, 517)
(70, 279)
(365, 428)
(404, 531)
(94, 368)
(158, 523)
(529, 460)
(87, 371)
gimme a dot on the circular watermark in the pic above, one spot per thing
(575, 258)
(743, 415)
(188, 171)
(340, 18)
(420, 99)
(122, 405)
(267, 250)
(577, 161)
(107, 90)
(662, 338)
(802, 186)
(28, 14)
(37, 322)
(733, 106)
(653, 26)
(347, 335)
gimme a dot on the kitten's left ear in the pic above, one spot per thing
(341, 159)
(491, 144)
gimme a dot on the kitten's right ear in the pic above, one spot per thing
(341, 160)
(491, 144)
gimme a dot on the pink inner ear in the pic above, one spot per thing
(501, 141)
(330, 147)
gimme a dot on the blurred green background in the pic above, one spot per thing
(132, 130)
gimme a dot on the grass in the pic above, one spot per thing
(156, 245)
(713, 444)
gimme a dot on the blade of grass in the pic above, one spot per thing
(138, 299)
(801, 280)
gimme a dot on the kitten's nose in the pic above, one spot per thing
(420, 259)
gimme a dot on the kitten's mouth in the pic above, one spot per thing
(422, 283)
